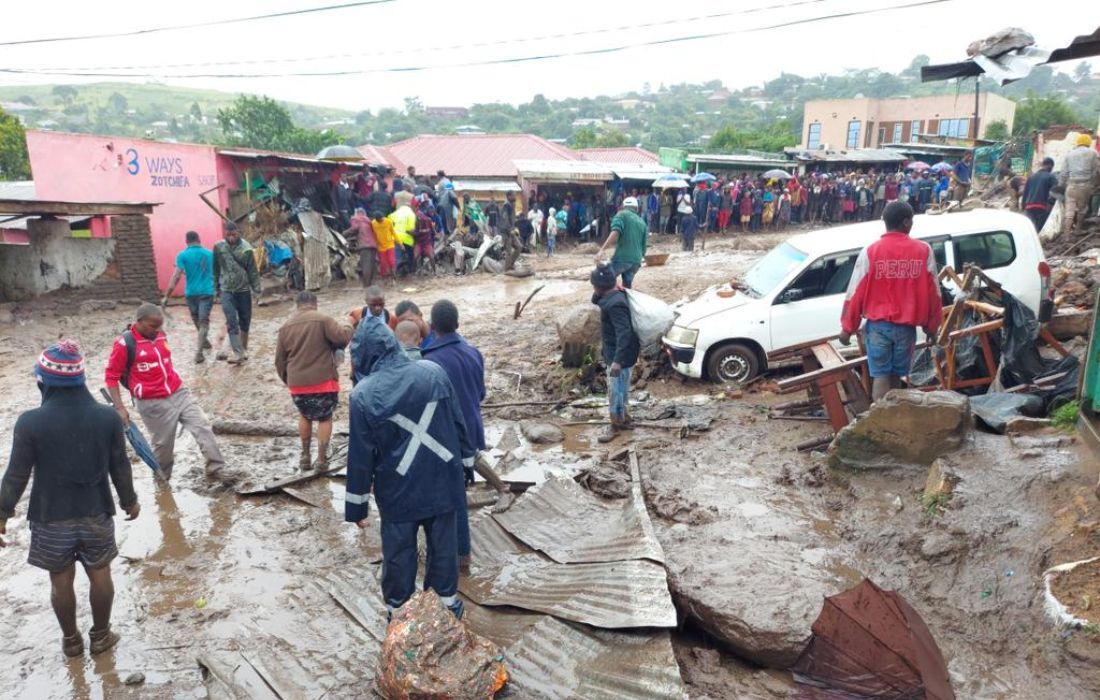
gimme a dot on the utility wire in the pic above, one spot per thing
(452, 47)
(196, 25)
(485, 62)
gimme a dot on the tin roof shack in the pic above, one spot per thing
(117, 263)
(733, 164)
(861, 158)
(559, 179)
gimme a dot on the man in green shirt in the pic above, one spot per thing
(236, 279)
(628, 235)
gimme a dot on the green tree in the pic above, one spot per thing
(1083, 71)
(584, 137)
(14, 164)
(117, 103)
(196, 112)
(611, 138)
(65, 93)
(261, 122)
(996, 130)
(1041, 112)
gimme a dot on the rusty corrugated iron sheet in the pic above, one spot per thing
(571, 524)
(614, 595)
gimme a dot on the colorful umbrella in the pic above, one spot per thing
(670, 181)
(340, 153)
(917, 165)
(137, 441)
(869, 643)
(703, 177)
(942, 166)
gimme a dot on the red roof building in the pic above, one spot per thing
(476, 155)
(379, 155)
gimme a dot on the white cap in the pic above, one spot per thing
(630, 202)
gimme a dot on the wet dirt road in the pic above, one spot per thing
(205, 572)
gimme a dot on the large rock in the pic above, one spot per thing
(542, 433)
(907, 427)
(579, 333)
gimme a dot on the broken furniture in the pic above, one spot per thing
(825, 371)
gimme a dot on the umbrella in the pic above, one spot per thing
(670, 181)
(340, 153)
(917, 165)
(703, 177)
(137, 440)
(869, 643)
(777, 174)
(941, 166)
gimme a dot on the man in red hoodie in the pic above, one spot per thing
(894, 287)
(141, 361)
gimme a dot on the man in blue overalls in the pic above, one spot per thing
(408, 443)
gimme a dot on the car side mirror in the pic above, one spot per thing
(792, 294)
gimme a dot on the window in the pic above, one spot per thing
(939, 251)
(813, 138)
(897, 133)
(853, 134)
(881, 135)
(957, 128)
(826, 276)
(773, 268)
(986, 250)
(914, 129)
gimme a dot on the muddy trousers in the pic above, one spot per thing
(399, 560)
(163, 416)
(1077, 205)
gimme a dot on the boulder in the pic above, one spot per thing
(940, 483)
(542, 433)
(587, 249)
(906, 427)
(579, 333)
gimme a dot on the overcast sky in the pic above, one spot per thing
(450, 38)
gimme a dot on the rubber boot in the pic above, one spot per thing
(610, 431)
(239, 353)
(102, 640)
(244, 340)
(73, 646)
(304, 462)
(322, 456)
(203, 343)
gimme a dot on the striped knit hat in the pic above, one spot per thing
(61, 364)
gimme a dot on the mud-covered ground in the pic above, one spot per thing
(203, 570)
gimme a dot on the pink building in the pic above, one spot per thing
(86, 167)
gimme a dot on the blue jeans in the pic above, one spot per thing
(200, 306)
(618, 393)
(627, 270)
(237, 307)
(890, 348)
(399, 560)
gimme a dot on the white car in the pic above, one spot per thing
(795, 293)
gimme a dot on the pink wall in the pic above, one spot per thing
(84, 167)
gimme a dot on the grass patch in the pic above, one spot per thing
(1065, 417)
(934, 505)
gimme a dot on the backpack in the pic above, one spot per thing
(131, 351)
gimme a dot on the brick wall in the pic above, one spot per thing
(137, 273)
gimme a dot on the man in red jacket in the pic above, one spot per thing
(141, 361)
(894, 287)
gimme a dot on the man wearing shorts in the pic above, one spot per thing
(305, 358)
(894, 287)
(72, 445)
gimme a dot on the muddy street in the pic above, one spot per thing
(754, 533)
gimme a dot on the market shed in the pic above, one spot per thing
(113, 259)
(733, 164)
(861, 158)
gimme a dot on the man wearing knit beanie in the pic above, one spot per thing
(75, 449)
(620, 346)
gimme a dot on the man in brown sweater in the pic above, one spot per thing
(305, 358)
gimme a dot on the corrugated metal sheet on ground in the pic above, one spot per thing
(548, 658)
(610, 595)
(571, 524)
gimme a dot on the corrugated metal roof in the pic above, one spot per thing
(563, 170)
(571, 524)
(256, 154)
(627, 154)
(476, 155)
(376, 155)
(650, 172)
(748, 161)
(487, 185)
(851, 155)
(610, 595)
(555, 660)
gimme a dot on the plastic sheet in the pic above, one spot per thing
(996, 409)
(651, 317)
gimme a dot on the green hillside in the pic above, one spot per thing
(148, 110)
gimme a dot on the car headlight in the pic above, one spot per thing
(684, 336)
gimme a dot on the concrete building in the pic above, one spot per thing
(870, 123)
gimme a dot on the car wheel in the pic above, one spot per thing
(733, 364)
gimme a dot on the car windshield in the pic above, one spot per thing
(772, 269)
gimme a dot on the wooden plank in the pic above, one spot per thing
(978, 329)
(833, 373)
(40, 207)
(827, 356)
(792, 350)
(985, 308)
(304, 497)
(294, 480)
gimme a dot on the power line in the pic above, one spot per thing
(487, 62)
(196, 25)
(453, 47)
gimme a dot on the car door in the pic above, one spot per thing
(809, 307)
